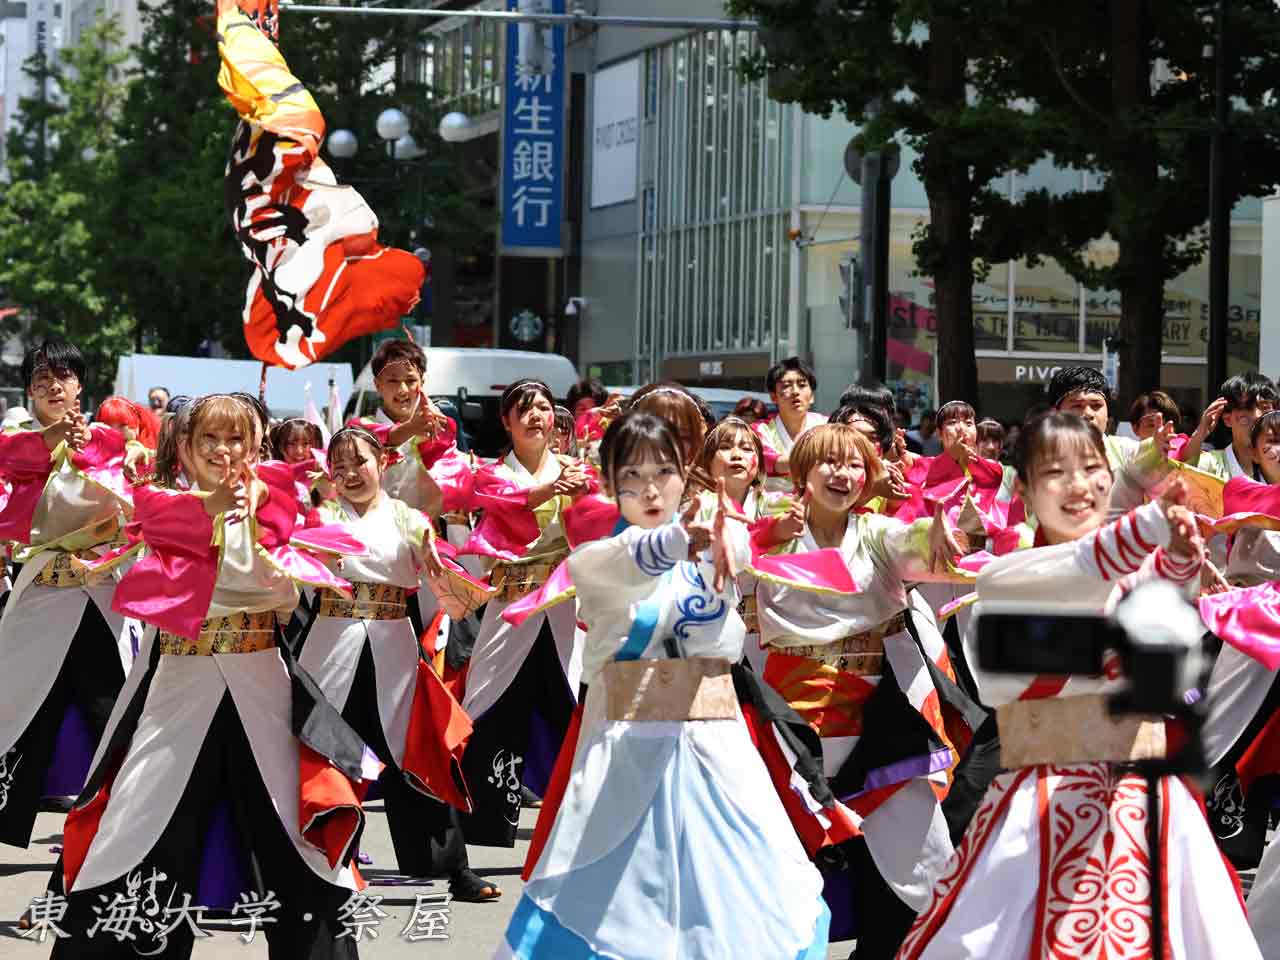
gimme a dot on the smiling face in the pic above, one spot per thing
(835, 485)
(54, 393)
(356, 467)
(214, 445)
(1090, 405)
(1069, 489)
(398, 384)
(648, 491)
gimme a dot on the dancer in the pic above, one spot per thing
(522, 682)
(669, 824)
(855, 667)
(211, 711)
(1062, 835)
(1137, 467)
(733, 455)
(66, 651)
(791, 383)
(365, 655)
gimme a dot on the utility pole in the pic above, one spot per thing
(873, 172)
(1219, 209)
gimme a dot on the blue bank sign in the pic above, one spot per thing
(533, 135)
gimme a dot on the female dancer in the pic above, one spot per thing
(669, 824)
(1062, 836)
(65, 649)
(212, 711)
(733, 454)
(365, 655)
(854, 666)
(522, 681)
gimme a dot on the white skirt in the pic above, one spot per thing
(1054, 864)
(670, 842)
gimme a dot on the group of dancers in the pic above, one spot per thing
(735, 661)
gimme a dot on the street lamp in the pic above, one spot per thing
(342, 144)
(455, 127)
(392, 124)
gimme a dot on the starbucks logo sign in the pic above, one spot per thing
(527, 326)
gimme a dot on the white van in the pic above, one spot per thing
(473, 379)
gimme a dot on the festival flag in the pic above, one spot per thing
(320, 275)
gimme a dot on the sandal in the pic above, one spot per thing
(468, 886)
(529, 799)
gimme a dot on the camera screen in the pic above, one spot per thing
(1044, 645)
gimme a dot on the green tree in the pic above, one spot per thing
(916, 57)
(53, 222)
(1122, 88)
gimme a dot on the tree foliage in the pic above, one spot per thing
(54, 229)
(129, 245)
(1119, 87)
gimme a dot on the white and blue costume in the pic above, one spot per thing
(670, 840)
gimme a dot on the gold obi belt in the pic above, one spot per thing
(67, 570)
(61, 571)
(515, 580)
(860, 653)
(238, 633)
(370, 601)
(749, 611)
(697, 688)
(1079, 729)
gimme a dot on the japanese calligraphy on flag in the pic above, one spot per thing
(320, 276)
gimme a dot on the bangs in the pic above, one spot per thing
(636, 438)
(679, 410)
(831, 443)
(1056, 435)
(348, 440)
(724, 434)
(221, 412)
(954, 410)
(520, 396)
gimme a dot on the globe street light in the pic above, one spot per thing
(407, 148)
(392, 124)
(342, 144)
(455, 127)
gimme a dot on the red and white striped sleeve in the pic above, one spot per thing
(1120, 547)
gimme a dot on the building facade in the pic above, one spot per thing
(691, 273)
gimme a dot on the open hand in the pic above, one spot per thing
(791, 524)
(1209, 419)
(945, 549)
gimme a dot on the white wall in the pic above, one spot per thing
(1269, 330)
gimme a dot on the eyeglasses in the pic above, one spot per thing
(44, 382)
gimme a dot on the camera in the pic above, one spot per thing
(1156, 633)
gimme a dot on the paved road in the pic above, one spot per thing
(474, 928)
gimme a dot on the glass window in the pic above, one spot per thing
(1046, 309)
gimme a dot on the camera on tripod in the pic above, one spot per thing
(1155, 632)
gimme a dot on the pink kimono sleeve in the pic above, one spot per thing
(25, 463)
(771, 455)
(172, 585)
